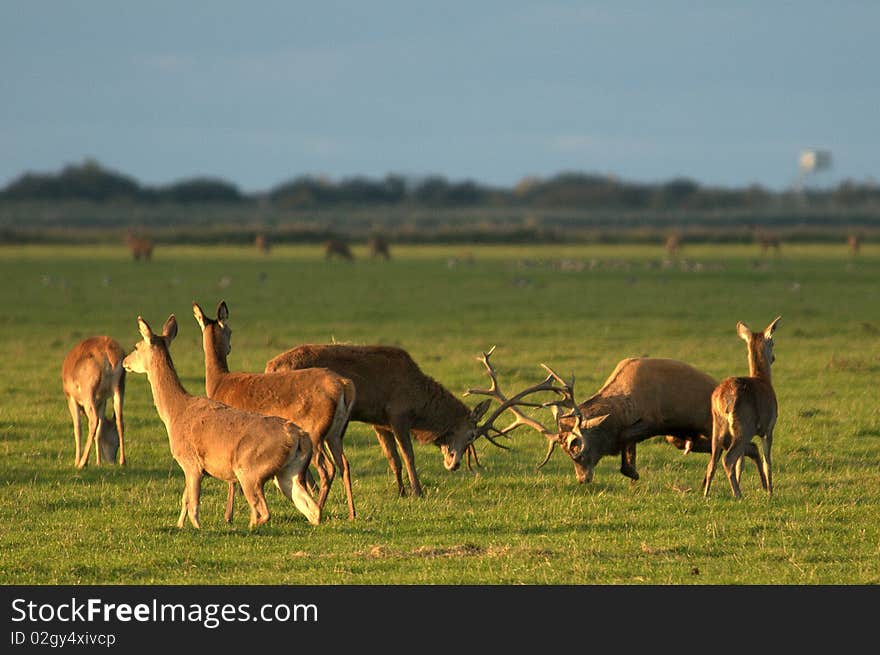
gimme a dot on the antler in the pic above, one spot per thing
(568, 401)
(510, 403)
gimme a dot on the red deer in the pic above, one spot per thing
(91, 374)
(398, 400)
(854, 243)
(743, 407)
(673, 245)
(768, 240)
(208, 437)
(262, 243)
(378, 247)
(316, 399)
(337, 247)
(141, 247)
(642, 398)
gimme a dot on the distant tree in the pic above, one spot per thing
(201, 189)
(86, 181)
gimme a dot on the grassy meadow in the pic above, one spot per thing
(580, 309)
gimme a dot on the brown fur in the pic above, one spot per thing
(141, 247)
(743, 407)
(378, 247)
(337, 247)
(767, 241)
(206, 436)
(397, 399)
(91, 374)
(854, 243)
(673, 245)
(262, 243)
(317, 399)
(642, 398)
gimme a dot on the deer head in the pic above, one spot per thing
(455, 442)
(216, 332)
(760, 347)
(138, 361)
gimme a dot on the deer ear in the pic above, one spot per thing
(169, 330)
(743, 331)
(478, 411)
(200, 315)
(144, 329)
(222, 312)
(768, 332)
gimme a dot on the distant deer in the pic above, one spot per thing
(673, 245)
(316, 399)
(206, 436)
(141, 247)
(337, 247)
(378, 247)
(262, 243)
(767, 241)
(91, 374)
(854, 243)
(399, 401)
(743, 407)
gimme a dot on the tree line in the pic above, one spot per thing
(91, 181)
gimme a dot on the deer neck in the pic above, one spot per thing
(215, 364)
(759, 367)
(169, 396)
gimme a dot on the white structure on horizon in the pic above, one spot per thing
(810, 162)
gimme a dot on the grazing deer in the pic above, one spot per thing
(141, 247)
(399, 401)
(91, 373)
(339, 248)
(743, 407)
(316, 399)
(642, 398)
(206, 436)
(378, 247)
(262, 243)
(854, 243)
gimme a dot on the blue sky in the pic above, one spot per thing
(261, 92)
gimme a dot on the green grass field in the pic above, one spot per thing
(579, 309)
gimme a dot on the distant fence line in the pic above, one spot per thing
(83, 222)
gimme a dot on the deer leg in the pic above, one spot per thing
(404, 442)
(92, 414)
(751, 451)
(253, 491)
(713, 458)
(182, 509)
(335, 447)
(386, 440)
(230, 503)
(766, 443)
(732, 460)
(118, 397)
(102, 408)
(291, 481)
(193, 494)
(326, 473)
(73, 407)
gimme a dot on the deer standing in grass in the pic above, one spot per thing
(207, 436)
(743, 407)
(91, 374)
(141, 247)
(317, 399)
